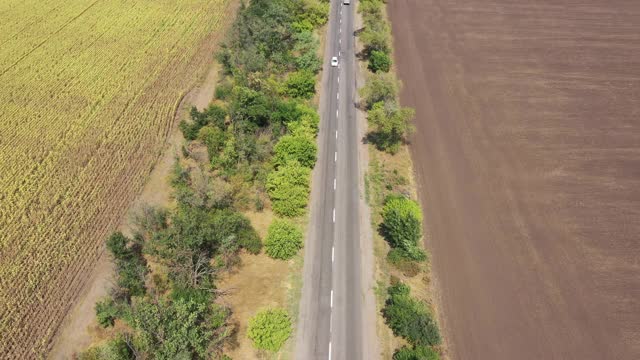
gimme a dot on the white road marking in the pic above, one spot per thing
(338, 96)
(336, 134)
(336, 112)
(335, 157)
(338, 79)
(329, 350)
(339, 41)
(334, 215)
(332, 253)
(331, 298)
(334, 184)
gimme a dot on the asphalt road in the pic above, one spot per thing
(330, 319)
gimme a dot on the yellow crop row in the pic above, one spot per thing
(88, 93)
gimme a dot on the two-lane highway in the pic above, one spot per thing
(330, 321)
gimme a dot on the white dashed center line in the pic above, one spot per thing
(331, 298)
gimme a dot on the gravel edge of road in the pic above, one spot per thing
(370, 341)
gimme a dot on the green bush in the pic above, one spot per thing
(213, 115)
(379, 61)
(376, 36)
(403, 262)
(301, 84)
(288, 188)
(177, 329)
(214, 138)
(416, 353)
(409, 318)
(371, 8)
(106, 312)
(389, 125)
(284, 240)
(269, 329)
(402, 226)
(117, 245)
(115, 349)
(300, 148)
(306, 126)
(223, 90)
(307, 49)
(131, 267)
(380, 87)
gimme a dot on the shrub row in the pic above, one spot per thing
(410, 318)
(388, 121)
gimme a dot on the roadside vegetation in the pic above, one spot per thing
(251, 151)
(396, 215)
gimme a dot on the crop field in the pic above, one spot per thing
(527, 156)
(89, 92)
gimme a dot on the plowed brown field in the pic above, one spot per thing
(528, 155)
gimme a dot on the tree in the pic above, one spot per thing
(402, 225)
(269, 329)
(301, 84)
(300, 148)
(115, 349)
(304, 127)
(203, 230)
(284, 240)
(214, 115)
(180, 329)
(416, 353)
(409, 318)
(249, 109)
(214, 138)
(288, 188)
(379, 61)
(131, 267)
(106, 312)
(306, 48)
(371, 8)
(376, 36)
(380, 87)
(117, 245)
(390, 123)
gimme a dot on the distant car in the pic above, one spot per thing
(346, 2)
(334, 61)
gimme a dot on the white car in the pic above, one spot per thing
(346, 2)
(334, 61)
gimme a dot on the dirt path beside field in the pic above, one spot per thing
(527, 153)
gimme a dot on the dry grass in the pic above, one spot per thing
(89, 93)
(259, 282)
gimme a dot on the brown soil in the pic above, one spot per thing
(527, 153)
